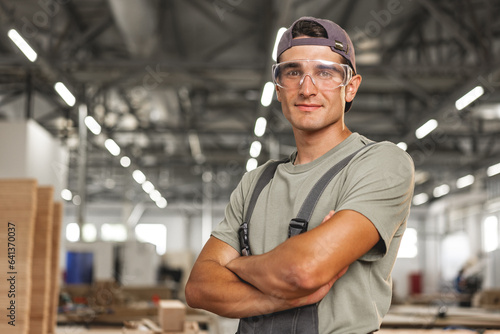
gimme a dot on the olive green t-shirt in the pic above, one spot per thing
(377, 182)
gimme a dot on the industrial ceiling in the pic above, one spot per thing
(177, 85)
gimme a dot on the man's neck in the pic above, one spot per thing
(311, 146)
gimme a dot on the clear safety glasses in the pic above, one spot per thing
(325, 75)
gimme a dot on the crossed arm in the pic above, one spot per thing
(298, 272)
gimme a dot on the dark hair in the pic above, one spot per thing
(310, 29)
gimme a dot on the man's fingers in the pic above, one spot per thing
(328, 216)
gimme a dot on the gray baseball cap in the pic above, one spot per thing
(337, 39)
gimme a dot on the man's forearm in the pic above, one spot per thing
(218, 290)
(305, 263)
(213, 287)
(270, 276)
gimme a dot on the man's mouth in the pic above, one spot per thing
(308, 106)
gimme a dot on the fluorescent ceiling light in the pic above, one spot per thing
(441, 190)
(113, 232)
(64, 92)
(148, 187)
(72, 232)
(402, 146)
(77, 200)
(490, 234)
(251, 164)
(194, 145)
(368, 58)
(255, 149)
(260, 126)
(112, 147)
(92, 125)
(267, 94)
(155, 195)
(125, 161)
(66, 195)
(280, 33)
(470, 97)
(139, 176)
(161, 203)
(22, 45)
(425, 129)
(89, 233)
(420, 199)
(465, 181)
(493, 170)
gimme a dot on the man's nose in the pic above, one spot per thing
(307, 85)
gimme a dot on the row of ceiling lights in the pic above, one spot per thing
(261, 122)
(259, 130)
(430, 126)
(94, 127)
(126, 162)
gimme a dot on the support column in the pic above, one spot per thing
(29, 95)
(82, 165)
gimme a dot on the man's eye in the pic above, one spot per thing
(325, 74)
(293, 73)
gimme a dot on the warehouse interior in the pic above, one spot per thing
(142, 117)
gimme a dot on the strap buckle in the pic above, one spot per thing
(297, 226)
(243, 237)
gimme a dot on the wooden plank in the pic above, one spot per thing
(56, 275)
(17, 218)
(41, 266)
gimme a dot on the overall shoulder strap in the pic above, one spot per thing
(299, 224)
(263, 180)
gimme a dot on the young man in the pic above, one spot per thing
(287, 284)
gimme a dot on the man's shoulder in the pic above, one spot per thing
(383, 157)
(384, 150)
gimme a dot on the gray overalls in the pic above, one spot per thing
(304, 319)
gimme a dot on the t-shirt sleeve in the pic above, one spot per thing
(379, 185)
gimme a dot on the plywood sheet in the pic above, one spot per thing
(18, 199)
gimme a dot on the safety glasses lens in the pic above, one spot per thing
(324, 74)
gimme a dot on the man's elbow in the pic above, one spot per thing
(191, 294)
(305, 278)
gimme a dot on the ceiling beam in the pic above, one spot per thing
(449, 24)
(89, 35)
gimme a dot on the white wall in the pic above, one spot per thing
(29, 151)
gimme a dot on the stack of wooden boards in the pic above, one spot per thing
(29, 287)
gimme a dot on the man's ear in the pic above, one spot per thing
(352, 88)
(278, 95)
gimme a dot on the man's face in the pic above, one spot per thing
(307, 107)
